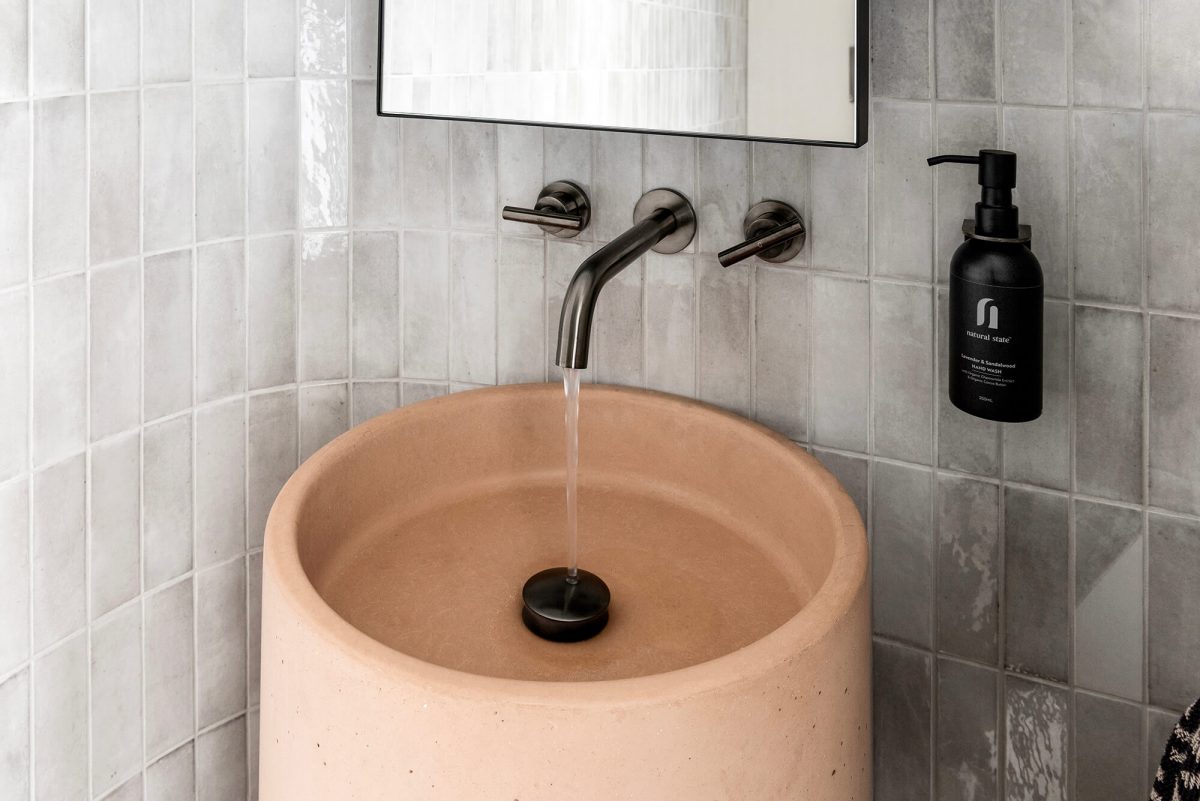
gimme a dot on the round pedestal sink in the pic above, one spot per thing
(395, 665)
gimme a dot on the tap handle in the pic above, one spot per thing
(774, 232)
(562, 209)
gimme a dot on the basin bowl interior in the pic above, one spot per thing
(419, 528)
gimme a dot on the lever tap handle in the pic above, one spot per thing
(774, 232)
(562, 209)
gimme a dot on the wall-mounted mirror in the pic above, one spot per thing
(791, 70)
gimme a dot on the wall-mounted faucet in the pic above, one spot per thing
(665, 222)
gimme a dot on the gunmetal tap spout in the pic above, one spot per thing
(664, 222)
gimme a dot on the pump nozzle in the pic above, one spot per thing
(995, 215)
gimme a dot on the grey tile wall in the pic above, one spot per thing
(214, 257)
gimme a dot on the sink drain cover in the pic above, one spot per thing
(562, 609)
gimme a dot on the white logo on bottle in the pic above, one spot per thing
(987, 314)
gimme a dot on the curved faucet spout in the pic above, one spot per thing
(654, 225)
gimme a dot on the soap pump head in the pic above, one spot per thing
(995, 214)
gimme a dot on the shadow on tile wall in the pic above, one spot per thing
(214, 258)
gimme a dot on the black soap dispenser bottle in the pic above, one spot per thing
(996, 296)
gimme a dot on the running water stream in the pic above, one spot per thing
(571, 388)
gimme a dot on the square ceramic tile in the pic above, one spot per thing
(59, 374)
(1036, 578)
(167, 484)
(902, 551)
(169, 669)
(60, 736)
(220, 642)
(115, 318)
(902, 358)
(58, 562)
(14, 575)
(220, 161)
(324, 299)
(116, 529)
(968, 568)
(272, 306)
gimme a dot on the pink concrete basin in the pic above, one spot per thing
(736, 664)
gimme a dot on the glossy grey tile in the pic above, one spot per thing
(115, 523)
(841, 363)
(271, 38)
(375, 322)
(1107, 185)
(900, 49)
(14, 192)
(271, 323)
(1040, 136)
(324, 415)
(473, 176)
(14, 364)
(220, 482)
(1033, 52)
(324, 306)
(220, 642)
(968, 734)
(670, 323)
(14, 575)
(167, 175)
(902, 192)
(964, 442)
(60, 193)
(169, 669)
(1174, 593)
(1174, 28)
(473, 298)
(15, 769)
(114, 205)
(723, 338)
(1106, 764)
(60, 707)
(1173, 225)
(324, 154)
(837, 231)
(1106, 45)
(968, 568)
(520, 311)
(1036, 577)
(166, 42)
(59, 369)
(902, 549)
(966, 50)
(220, 27)
(1109, 598)
(1040, 452)
(274, 449)
(167, 484)
(58, 47)
(375, 160)
(220, 320)
(1174, 414)
(425, 314)
(167, 374)
(902, 365)
(114, 362)
(903, 721)
(220, 161)
(58, 561)
(323, 37)
(273, 154)
(1109, 359)
(781, 350)
(116, 696)
(425, 191)
(1037, 731)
